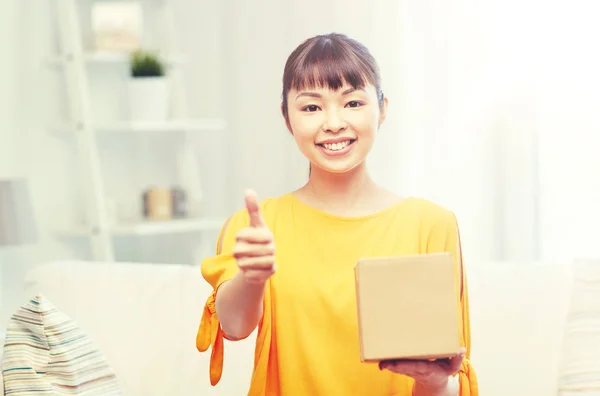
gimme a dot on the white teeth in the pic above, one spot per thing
(336, 146)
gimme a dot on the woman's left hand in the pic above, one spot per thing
(426, 373)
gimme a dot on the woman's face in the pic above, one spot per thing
(335, 130)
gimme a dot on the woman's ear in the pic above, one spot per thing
(383, 111)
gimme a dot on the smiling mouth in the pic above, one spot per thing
(337, 146)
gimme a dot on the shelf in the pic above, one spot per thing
(168, 227)
(109, 58)
(150, 227)
(198, 125)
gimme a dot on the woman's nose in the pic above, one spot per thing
(334, 122)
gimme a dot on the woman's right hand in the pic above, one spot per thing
(254, 248)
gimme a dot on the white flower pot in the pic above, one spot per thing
(149, 99)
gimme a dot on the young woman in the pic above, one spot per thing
(286, 264)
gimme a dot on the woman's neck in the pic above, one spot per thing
(343, 188)
(347, 194)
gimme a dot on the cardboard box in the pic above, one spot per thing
(408, 307)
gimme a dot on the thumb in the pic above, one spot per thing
(456, 361)
(256, 219)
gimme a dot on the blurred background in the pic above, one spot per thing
(493, 114)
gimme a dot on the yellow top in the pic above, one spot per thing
(307, 342)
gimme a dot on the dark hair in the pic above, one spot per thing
(329, 61)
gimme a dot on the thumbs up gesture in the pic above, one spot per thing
(254, 249)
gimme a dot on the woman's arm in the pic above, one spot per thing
(239, 301)
(239, 306)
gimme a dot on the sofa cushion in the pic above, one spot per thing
(518, 316)
(580, 367)
(45, 352)
(2, 338)
(144, 318)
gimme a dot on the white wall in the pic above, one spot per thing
(507, 127)
(7, 151)
(32, 98)
(493, 114)
(448, 102)
(569, 99)
(8, 157)
(10, 141)
(24, 149)
(468, 98)
(263, 154)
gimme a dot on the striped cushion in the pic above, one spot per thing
(46, 353)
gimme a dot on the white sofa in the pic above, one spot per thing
(518, 316)
(144, 318)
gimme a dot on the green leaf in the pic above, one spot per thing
(146, 64)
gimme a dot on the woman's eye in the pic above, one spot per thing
(311, 108)
(353, 103)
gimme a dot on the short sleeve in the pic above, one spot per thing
(216, 270)
(222, 266)
(445, 236)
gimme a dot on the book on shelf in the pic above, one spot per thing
(117, 26)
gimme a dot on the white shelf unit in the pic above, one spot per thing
(74, 61)
(174, 226)
(172, 126)
(108, 57)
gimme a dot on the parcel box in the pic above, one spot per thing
(408, 307)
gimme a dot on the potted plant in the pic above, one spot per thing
(149, 87)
